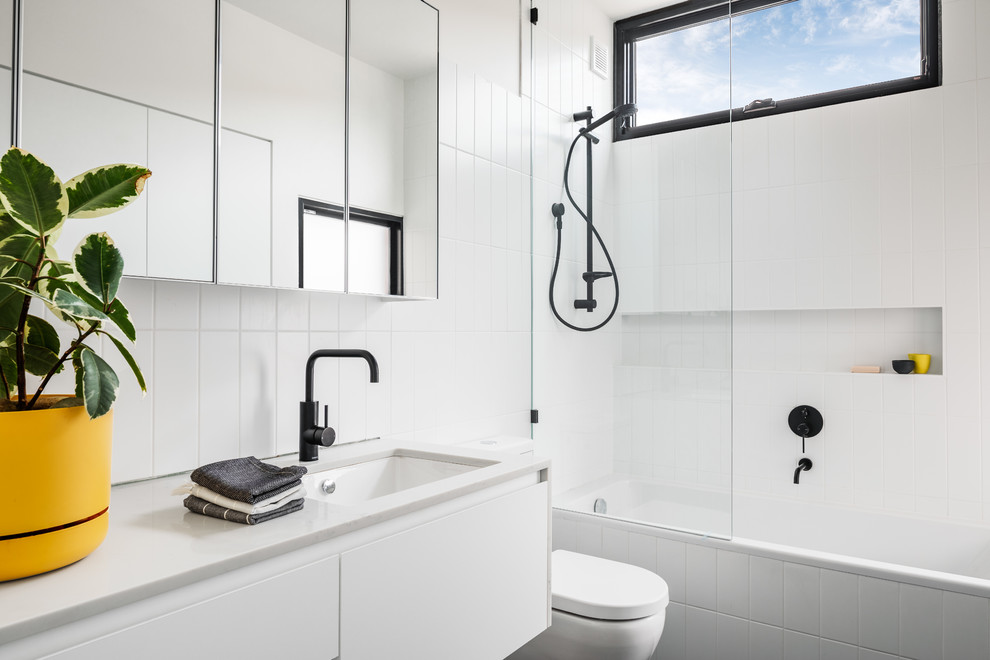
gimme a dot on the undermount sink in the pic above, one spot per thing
(379, 476)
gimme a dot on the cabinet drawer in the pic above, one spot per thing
(292, 614)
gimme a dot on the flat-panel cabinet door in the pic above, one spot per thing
(471, 586)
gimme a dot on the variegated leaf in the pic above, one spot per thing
(106, 189)
(99, 383)
(31, 193)
(99, 266)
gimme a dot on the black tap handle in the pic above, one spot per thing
(326, 415)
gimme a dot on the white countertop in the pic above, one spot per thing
(155, 544)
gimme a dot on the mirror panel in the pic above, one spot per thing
(6, 48)
(282, 135)
(392, 159)
(105, 82)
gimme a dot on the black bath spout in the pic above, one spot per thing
(804, 465)
(312, 436)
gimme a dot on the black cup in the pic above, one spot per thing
(903, 366)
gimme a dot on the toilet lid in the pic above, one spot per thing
(604, 589)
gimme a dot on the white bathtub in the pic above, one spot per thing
(874, 543)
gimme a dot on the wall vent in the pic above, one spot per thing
(599, 58)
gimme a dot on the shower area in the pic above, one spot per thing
(759, 262)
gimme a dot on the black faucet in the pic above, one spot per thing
(803, 466)
(312, 436)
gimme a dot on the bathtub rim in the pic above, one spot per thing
(921, 577)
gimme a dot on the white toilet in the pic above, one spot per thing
(601, 609)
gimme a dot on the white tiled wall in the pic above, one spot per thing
(225, 365)
(868, 216)
(731, 602)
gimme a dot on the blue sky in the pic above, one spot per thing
(799, 48)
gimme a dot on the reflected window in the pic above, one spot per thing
(704, 62)
(371, 264)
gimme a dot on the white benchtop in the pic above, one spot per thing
(155, 544)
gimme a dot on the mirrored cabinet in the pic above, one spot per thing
(293, 144)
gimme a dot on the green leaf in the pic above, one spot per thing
(99, 383)
(99, 265)
(131, 362)
(18, 255)
(122, 318)
(11, 302)
(76, 307)
(106, 189)
(8, 366)
(41, 347)
(77, 369)
(67, 402)
(7, 225)
(55, 275)
(31, 193)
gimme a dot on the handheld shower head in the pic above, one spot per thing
(618, 112)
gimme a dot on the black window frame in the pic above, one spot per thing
(695, 12)
(392, 222)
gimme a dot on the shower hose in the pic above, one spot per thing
(558, 212)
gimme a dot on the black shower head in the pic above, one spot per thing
(619, 112)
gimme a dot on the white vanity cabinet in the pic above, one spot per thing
(244, 614)
(472, 585)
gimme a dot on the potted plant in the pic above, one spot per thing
(55, 449)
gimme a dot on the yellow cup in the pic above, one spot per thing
(921, 362)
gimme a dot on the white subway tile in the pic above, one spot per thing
(920, 621)
(671, 566)
(465, 110)
(733, 583)
(482, 118)
(732, 638)
(258, 308)
(701, 633)
(798, 646)
(176, 402)
(258, 394)
(878, 614)
(965, 625)
(959, 37)
(176, 305)
(673, 643)
(765, 642)
(219, 396)
(801, 598)
(840, 606)
(838, 651)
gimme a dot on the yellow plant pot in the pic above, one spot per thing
(54, 488)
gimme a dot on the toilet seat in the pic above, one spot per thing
(603, 589)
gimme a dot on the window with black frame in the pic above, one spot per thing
(373, 258)
(704, 62)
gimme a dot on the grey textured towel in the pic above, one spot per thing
(247, 479)
(197, 505)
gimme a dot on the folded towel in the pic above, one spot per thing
(261, 506)
(197, 505)
(247, 479)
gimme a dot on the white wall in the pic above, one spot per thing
(225, 364)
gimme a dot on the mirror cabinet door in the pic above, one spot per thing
(129, 81)
(392, 148)
(6, 50)
(282, 143)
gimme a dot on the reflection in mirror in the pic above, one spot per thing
(87, 102)
(392, 159)
(282, 135)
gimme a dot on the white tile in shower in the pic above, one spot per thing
(615, 544)
(482, 201)
(896, 283)
(808, 146)
(963, 460)
(642, 551)
(732, 638)
(132, 454)
(965, 625)
(962, 292)
(673, 643)
(920, 622)
(959, 37)
(176, 402)
(220, 307)
(801, 598)
(292, 351)
(960, 124)
(840, 606)
(765, 642)
(766, 590)
(878, 614)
